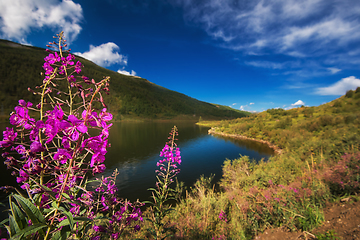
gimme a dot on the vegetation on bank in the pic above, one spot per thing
(320, 162)
(130, 98)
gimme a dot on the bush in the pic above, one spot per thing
(349, 94)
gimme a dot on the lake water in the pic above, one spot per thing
(135, 148)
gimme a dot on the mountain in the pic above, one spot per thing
(130, 97)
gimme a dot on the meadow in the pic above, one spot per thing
(319, 163)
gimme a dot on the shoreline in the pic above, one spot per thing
(276, 149)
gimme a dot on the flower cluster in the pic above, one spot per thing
(171, 159)
(52, 156)
(222, 216)
(123, 212)
(165, 175)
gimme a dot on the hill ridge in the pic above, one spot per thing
(130, 97)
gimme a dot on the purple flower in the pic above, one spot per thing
(44, 201)
(9, 138)
(75, 127)
(98, 146)
(33, 166)
(75, 209)
(23, 176)
(52, 58)
(65, 142)
(115, 235)
(21, 116)
(112, 187)
(170, 156)
(48, 69)
(71, 79)
(103, 202)
(68, 60)
(137, 228)
(222, 216)
(62, 156)
(36, 147)
(78, 66)
(99, 169)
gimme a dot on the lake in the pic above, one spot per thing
(135, 148)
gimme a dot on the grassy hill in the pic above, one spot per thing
(130, 97)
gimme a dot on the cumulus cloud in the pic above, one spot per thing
(294, 105)
(298, 103)
(18, 18)
(122, 71)
(104, 55)
(340, 87)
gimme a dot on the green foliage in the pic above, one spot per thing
(130, 97)
(328, 235)
(349, 94)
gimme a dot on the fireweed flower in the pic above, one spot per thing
(222, 216)
(9, 137)
(168, 169)
(21, 116)
(51, 156)
(62, 156)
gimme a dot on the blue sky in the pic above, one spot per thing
(250, 55)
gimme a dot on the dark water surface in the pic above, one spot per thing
(135, 148)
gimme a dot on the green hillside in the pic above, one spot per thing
(130, 97)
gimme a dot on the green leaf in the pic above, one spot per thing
(4, 221)
(64, 222)
(82, 219)
(62, 234)
(31, 211)
(69, 216)
(14, 227)
(18, 215)
(29, 230)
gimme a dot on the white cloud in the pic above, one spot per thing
(298, 103)
(265, 64)
(18, 17)
(104, 55)
(340, 87)
(122, 71)
(294, 105)
(247, 108)
(307, 28)
(334, 70)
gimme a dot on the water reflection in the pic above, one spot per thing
(135, 148)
